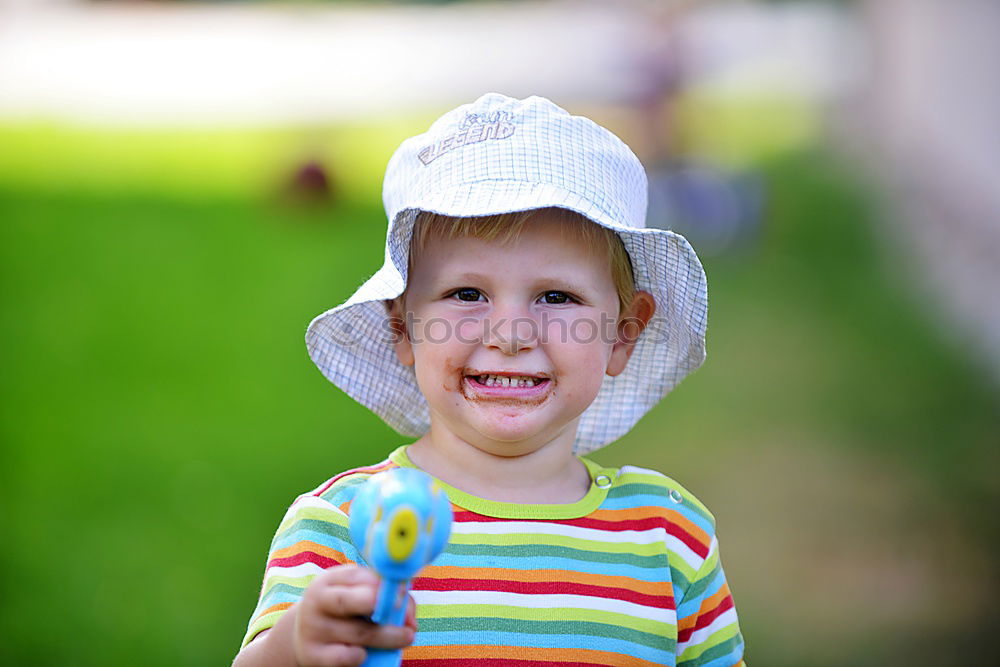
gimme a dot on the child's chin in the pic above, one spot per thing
(513, 440)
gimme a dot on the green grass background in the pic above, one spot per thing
(158, 411)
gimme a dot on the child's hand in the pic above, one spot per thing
(330, 621)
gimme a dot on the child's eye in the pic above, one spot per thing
(556, 297)
(467, 294)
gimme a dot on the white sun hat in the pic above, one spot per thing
(500, 155)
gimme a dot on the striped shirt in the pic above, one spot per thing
(628, 575)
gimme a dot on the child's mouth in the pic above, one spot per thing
(506, 385)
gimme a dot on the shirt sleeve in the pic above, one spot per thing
(312, 536)
(708, 632)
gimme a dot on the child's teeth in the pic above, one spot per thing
(507, 381)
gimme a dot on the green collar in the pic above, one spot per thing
(601, 480)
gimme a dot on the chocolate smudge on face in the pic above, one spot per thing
(452, 372)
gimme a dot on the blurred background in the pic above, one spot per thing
(184, 185)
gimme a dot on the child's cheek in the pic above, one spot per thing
(555, 331)
(468, 330)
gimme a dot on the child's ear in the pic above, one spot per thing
(631, 323)
(400, 336)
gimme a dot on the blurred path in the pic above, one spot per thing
(253, 64)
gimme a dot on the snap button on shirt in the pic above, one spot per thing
(603, 481)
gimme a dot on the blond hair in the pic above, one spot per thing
(506, 227)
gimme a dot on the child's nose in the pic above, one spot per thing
(510, 331)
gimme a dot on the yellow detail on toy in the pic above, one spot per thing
(402, 535)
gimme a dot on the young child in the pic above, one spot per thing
(524, 317)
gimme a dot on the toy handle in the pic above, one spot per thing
(390, 605)
(390, 609)
(381, 657)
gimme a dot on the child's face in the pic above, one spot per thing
(543, 307)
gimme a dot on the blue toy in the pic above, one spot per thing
(399, 521)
